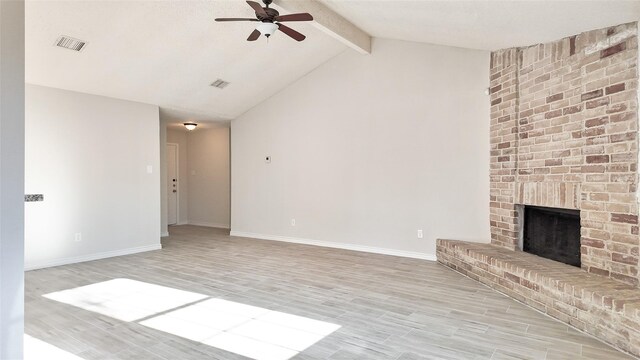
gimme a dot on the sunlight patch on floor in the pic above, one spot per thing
(36, 349)
(251, 331)
(125, 299)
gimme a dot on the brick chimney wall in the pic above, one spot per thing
(564, 133)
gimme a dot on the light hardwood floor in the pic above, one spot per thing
(388, 307)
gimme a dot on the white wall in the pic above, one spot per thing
(209, 178)
(11, 179)
(366, 150)
(89, 155)
(180, 137)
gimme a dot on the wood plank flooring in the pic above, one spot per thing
(388, 307)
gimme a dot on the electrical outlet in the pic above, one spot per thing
(420, 234)
(78, 237)
(293, 222)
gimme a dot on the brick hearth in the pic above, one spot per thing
(605, 308)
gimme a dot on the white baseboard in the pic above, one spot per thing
(90, 257)
(344, 246)
(164, 234)
(210, 224)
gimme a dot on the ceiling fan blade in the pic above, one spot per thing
(254, 35)
(236, 19)
(295, 17)
(257, 8)
(292, 33)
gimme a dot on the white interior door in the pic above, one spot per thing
(172, 183)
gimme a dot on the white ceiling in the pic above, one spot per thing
(168, 52)
(481, 24)
(175, 118)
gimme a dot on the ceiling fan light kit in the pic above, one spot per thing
(267, 29)
(270, 21)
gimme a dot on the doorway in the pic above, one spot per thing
(199, 160)
(172, 184)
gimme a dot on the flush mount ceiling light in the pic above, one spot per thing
(190, 126)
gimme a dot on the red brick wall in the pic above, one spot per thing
(564, 130)
(504, 143)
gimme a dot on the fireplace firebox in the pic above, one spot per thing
(552, 233)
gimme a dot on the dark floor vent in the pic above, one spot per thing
(552, 233)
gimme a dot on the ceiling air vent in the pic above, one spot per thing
(220, 84)
(70, 43)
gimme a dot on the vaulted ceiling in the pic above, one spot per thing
(482, 24)
(168, 52)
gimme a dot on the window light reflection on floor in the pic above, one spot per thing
(125, 299)
(35, 349)
(250, 331)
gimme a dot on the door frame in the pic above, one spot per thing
(177, 181)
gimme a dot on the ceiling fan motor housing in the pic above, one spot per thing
(271, 14)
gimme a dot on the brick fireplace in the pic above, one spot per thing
(564, 141)
(564, 129)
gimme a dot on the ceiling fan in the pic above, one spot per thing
(270, 21)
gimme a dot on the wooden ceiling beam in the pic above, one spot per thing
(331, 23)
